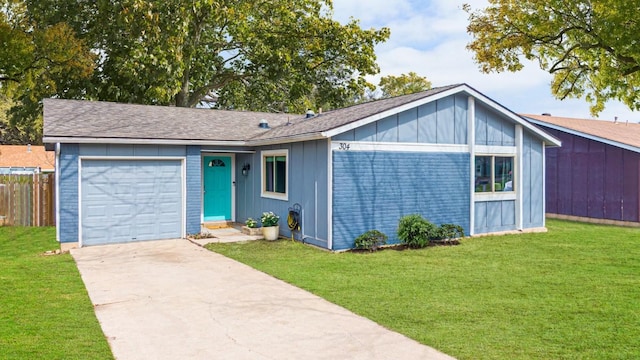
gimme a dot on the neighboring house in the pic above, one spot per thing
(25, 159)
(133, 172)
(596, 172)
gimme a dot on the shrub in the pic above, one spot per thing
(415, 231)
(371, 240)
(450, 231)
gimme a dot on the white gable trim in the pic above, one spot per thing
(549, 140)
(585, 135)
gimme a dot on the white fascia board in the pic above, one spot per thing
(136, 141)
(548, 139)
(393, 111)
(585, 135)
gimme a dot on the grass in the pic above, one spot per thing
(570, 293)
(45, 311)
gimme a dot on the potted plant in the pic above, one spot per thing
(251, 227)
(270, 228)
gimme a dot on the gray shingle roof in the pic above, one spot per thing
(97, 120)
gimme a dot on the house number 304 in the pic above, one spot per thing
(344, 146)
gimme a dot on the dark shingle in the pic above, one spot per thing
(107, 120)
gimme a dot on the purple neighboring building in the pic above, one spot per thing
(596, 172)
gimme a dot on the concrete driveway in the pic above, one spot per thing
(175, 300)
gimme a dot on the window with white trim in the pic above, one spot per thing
(275, 174)
(494, 173)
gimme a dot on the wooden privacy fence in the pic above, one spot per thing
(27, 200)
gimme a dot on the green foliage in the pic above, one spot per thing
(36, 61)
(403, 85)
(590, 47)
(276, 55)
(415, 231)
(251, 223)
(569, 293)
(45, 312)
(269, 219)
(371, 240)
(450, 231)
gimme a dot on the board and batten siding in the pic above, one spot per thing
(532, 182)
(307, 186)
(588, 178)
(443, 121)
(69, 186)
(492, 129)
(374, 189)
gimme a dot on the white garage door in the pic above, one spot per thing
(130, 200)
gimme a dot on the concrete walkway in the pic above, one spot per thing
(174, 300)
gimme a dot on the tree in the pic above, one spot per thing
(591, 47)
(271, 55)
(403, 85)
(35, 62)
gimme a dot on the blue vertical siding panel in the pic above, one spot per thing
(481, 125)
(93, 149)
(194, 189)
(494, 130)
(565, 195)
(146, 150)
(551, 180)
(321, 179)
(346, 136)
(427, 123)
(461, 122)
(508, 133)
(480, 218)
(494, 216)
(366, 132)
(373, 190)
(131, 150)
(508, 209)
(68, 187)
(388, 129)
(533, 189)
(445, 133)
(307, 169)
(244, 187)
(408, 126)
(121, 150)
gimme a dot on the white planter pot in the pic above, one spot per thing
(271, 232)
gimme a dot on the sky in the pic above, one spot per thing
(429, 37)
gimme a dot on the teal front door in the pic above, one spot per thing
(217, 188)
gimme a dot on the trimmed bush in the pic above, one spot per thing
(371, 240)
(450, 231)
(416, 231)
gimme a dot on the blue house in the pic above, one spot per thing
(134, 173)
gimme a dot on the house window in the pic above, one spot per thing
(275, 174)
(494, 173)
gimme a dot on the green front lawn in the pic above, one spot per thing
(45, 312)
(571, 293)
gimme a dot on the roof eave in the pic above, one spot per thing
(585, 135)
(138, 141)
(287, 139)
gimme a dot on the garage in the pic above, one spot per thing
(130, 200)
